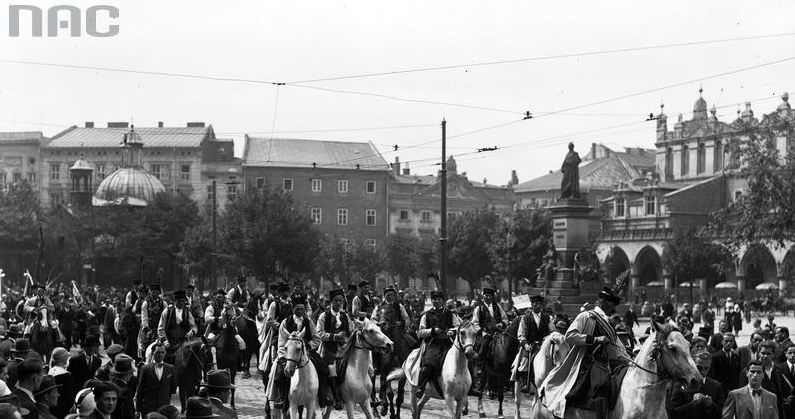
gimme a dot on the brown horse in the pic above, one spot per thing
(497, 368)
(189, 367)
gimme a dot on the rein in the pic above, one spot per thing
(457, 342)
(298, 361)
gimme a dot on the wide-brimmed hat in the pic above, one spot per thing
(352, 287)
(488, 291)
(390, 289)
(218, 379)
(199, 408)
(47, 383)
(436, 294)
(21, 346)
(608, 295)
(334, 293)
(154, 287)
(241, 279)
(220, 291)
(536, 299)
(122, 365)
(180, 295)
(298, 298)
(91, 340)
(114, 350)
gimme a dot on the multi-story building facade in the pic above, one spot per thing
(341, 185)
(19, 158)
(185, 159)
(697, 175)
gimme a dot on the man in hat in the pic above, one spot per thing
(219, 386)
(103, 373)
(176, 325)
(362, 304)
(123, 377)
(39, 310)
(595, 349)
(6, 343)
(195, 306)
(84, 366)
(278, 384)
(435, 330)
(47, 397)
(151, 310)
(132, 296)
(334, 327)
(488, 317)
(533, 328)
(239, 295)
(18, 354)
(278, 310)
(199, 408)
(30, 373)
(350, 292)
(218, 316)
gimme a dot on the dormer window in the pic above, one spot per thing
(620, 207)
(651, 204)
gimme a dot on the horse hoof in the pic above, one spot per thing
(481, 415)
(465, 411)
(384, 410)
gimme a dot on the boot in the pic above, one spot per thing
(335, 392)
(526, 386)
(282, 384)
(322, 390)
(422, 381)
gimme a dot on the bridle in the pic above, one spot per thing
(657, 347)
(457, 342)
(298, 362)
(363, 337)
(195, 355)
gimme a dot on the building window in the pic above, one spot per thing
(342, 186)
(370, 186)
(369, 244)
(342, 216)
(403, 215)
(260, 183)
(317, 185)
(100, 171)
(210, 193)
(651, 205)
(718, 156)
(184, 172)
(55, 171)
(685, 160)
(317, 215)
(155, 170)
(287, 185)
(369, 217)
(231, 191)
(32, 177)
(620, 207)
(701, 158)
(426, 216)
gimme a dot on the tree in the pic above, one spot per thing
(402, 257)
(767, 211)
(263, 230)
(19, 229)
(519, 243)
(468, 239)
(690, 256)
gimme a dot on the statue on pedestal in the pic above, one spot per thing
(550, 265)
(586, 266)
(570, 185)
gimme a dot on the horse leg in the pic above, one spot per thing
(400, 396)
(480, 405)
(293, 410)
(500, 397)
(517, 399)
(450, 402)
(424, 400)
(392, 397)
(385, 389)
(459, 408)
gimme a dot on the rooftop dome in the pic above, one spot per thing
(81, 164)
(128, 186)
(700, 107)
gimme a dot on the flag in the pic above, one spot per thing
(28, 283)
(621, 282)
(76, 296)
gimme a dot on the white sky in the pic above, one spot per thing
(289, 41)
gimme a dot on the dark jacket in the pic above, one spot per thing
(679, 403)
(125, 409)
(219, 409)
(44, 411)
(153, 392)
(81, 371)
(66, 394)
(26, 403)
(726, 371)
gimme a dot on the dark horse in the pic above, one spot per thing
(227, 355)
(497, 368)
(189, 367)
(42, 340)
(247, 328)
(404, 343)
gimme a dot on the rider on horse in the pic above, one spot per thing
(176, 325)
(334, 327)
(533, 328)
(436, 334)
(39, 309)
(596, 353)
(134, 295)
(239, 295)
(362, 304)
(488, 317)
(151, 310)
(218, 316)
(195, 306)
(279, 383)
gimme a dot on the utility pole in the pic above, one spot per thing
(443, 228)
(215, 235)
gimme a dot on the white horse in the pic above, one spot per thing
(665, 356)
(455, 379)
(304, 385)
(551, 354)
(356, 387)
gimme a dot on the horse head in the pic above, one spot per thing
(193, 350)
(465, 338)
(370, 336)
(558, 348)
(294, 353)
(672, 352)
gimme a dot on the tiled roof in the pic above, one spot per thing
(151, 137)
(601, 173)
(9, 137)
(284, 152)
(416, 179)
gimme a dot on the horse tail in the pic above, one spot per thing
(396, 374)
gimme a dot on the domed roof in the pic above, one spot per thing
(81, 164)
(128, 186)
(700, 107)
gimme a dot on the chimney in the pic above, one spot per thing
(118, 124)
(514, 178)
(593, 151)
(160, 124)
(396, 166)
(89, 124)
(195, 124)
(406, 170)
